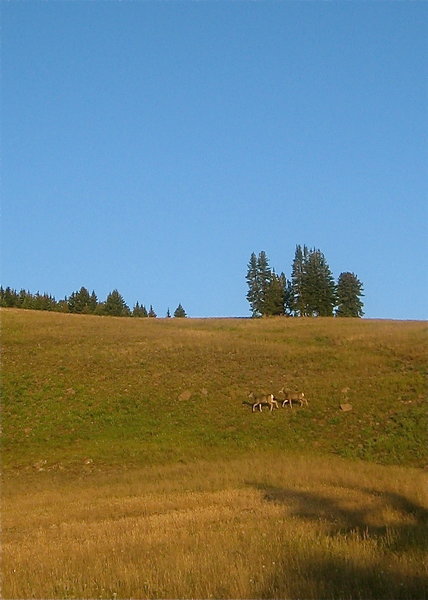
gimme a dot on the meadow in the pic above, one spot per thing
(133, 468)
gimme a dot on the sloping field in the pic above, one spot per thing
(132, 468)
(133, 391)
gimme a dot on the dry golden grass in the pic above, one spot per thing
(260, 526)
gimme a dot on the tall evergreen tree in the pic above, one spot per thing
(274, 297)
(115, 305)
(318, 286)
(297, 299)
(93, 302)
(254, 292)
(265, 277)
(259, 279)
(152, 313)
(349, 292)
(81, 302)
(288, 295)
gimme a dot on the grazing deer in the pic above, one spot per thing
(290, 397)
(259, 400)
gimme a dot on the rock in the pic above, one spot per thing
(186, 395)
(346, 407)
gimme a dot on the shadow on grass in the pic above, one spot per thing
(326, 576)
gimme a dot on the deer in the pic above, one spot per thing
(259, 400)
(290, 397)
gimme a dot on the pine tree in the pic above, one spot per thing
(349, 291)
(259, 280)
(115, 305)
(180, 312)
(136, 311)
(139, 310)
(264, 276)
(62, 306)
(81, 302)
(93, 302)
(10, 298)
(318, 286)
(152, 313)
(274, 297)
(168, 314)
(288, 295)
(297, 299)
(253, 294)
(22, 297)
(101, 309)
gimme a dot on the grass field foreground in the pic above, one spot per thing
(254, 527)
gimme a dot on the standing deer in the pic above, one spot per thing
(290, 397)
(259, 400)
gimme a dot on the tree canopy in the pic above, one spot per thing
(179, 312)
(349, 292)
(312, 290)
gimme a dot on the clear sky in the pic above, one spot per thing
(152, 146)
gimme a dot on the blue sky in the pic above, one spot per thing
(152, 146)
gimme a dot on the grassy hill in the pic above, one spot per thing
(132, 468)
(115, 390)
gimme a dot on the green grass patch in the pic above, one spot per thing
(110, 390)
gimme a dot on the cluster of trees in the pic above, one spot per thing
(81, 302)
(311, 290)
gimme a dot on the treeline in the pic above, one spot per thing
(81, 302)
(311, 290)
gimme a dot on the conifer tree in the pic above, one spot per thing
(152, 313)
(139, 310)
(254, 292)
(274, 297)
(297, 299)
(9, 297)
(115, 305)
(180, 312)
(259, 279)
(349, 291)
(136, 311)
(93, 302)
(62, 306)
(81, 302)
(100, 310)
(22, 297)
(318, 286)
(288, 295)
(264, 275)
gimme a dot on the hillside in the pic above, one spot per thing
(103, 391)
(132, 468)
